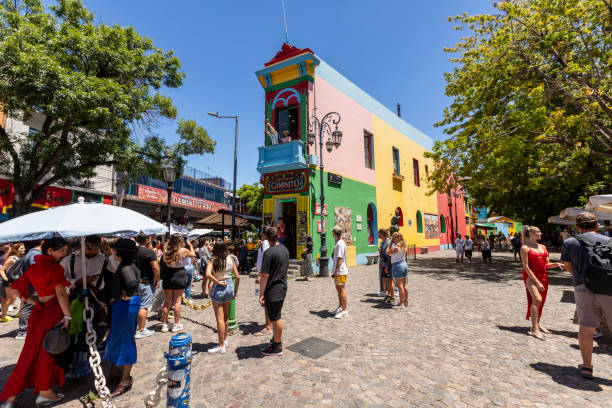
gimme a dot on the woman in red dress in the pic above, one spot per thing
(35, 367)
(535, 261)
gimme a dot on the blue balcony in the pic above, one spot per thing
(281, 157)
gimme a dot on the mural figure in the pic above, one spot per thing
(394, 223)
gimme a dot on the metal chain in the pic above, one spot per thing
(190, 304)
(94, 358)
(153, 398)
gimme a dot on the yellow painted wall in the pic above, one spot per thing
(411, 198)
(302, 204)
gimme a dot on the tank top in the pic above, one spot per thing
(180, 263)
(227, 272)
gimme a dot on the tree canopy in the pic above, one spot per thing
(252, 194)
(530, 124)
(97, 92)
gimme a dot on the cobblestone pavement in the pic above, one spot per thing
(461, 343)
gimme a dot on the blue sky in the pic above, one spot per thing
(392, 49)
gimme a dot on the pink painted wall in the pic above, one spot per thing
(446, 238)
(349, 159)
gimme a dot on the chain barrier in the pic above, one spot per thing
(94, 358)
(190, 304)
(153, 398)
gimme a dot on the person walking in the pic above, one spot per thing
(273, 289)
(399, 267)
(535, 262)
(485, 250)
(263, 247)
(36, 367)
(28, 302)
(590, 306)
(8, 295)
(340, 272)
(205, 255)
(384, 268)
(516, 246)
(459, 244)
(120, 348)
(146, 262)
(469, 247)
(174, 279)
(220, 269)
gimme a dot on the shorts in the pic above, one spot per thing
(459, 251)
(486, 254)
(399, 270)
(468, 253)
(222, 294)
(591, 306)
(273, 309)
(145, 291)
(340, 280)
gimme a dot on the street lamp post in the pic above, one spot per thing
(169, 174)
(216, 115)
(334, 139)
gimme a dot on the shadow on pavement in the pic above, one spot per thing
(249, 328)
(516, 329)
(323, 314)
(503, 269)
(10, 334)
(198, 348)
(602, 349)
(569, 377)
(377, 303)
(254, 351)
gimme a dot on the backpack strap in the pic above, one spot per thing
(72, 258)
(101, 277)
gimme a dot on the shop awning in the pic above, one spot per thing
(600, 203)
(197, 233)
(486, 225)
(571, 213)
(251, 218)
(218, 219)
(560, 221)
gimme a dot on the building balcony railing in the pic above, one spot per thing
(281, 157)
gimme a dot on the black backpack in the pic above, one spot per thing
(16, 270)
(596, 265)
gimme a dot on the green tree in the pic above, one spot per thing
(253, 196)
(96, 88)
(530, 123)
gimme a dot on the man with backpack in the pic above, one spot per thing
(588, 256)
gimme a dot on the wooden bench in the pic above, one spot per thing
(424, 250)
(372, 259)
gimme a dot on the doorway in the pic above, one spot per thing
(287, 210)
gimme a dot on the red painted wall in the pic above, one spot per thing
(444, 210)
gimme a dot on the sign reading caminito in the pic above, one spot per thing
(157, 195)
(293, 181)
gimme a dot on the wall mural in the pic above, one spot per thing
(431, 226)
(343, 219)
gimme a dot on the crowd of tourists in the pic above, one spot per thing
(126, 278)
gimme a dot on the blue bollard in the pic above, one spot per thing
(179, 371)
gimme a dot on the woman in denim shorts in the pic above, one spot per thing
(220, 270)
(399, 267)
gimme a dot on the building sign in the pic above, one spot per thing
(334, 179)
(157, 195)
(302, 227)
(294, 181)
(318, 209)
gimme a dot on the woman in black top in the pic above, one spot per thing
(123, 291)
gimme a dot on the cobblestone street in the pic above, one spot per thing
(462, 343)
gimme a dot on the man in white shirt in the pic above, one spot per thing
(459, 243)
(340, 272)
(94, 262)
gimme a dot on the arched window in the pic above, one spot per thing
(442, 224)
(401, 215)
(372, 225)
(419, 221)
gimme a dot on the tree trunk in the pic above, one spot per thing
(22, 203)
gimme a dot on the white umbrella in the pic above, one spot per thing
(560, 221)
(600, 203)
(571, 213)
(197, 233)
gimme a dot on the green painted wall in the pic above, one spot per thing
(352, 194)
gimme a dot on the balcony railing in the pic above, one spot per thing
(281, 157)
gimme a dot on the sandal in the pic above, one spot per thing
(123, 387)
(537, 336)
(545, 331)
(261, 333)
(585, 371)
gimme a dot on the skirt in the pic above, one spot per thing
(121, 344)
(35, 367)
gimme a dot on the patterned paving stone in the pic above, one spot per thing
(462, 343)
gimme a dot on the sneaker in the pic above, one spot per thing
(141, 334)
(383, 293)
(597, 334)
(20, 336)
(217, 350)
(273, 349)
(6, 319)
(336, 310)
(396, 292)
(177, 327)
(164, 328)
(225, 343)
(341, 314)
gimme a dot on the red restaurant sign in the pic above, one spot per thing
(157, 195)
